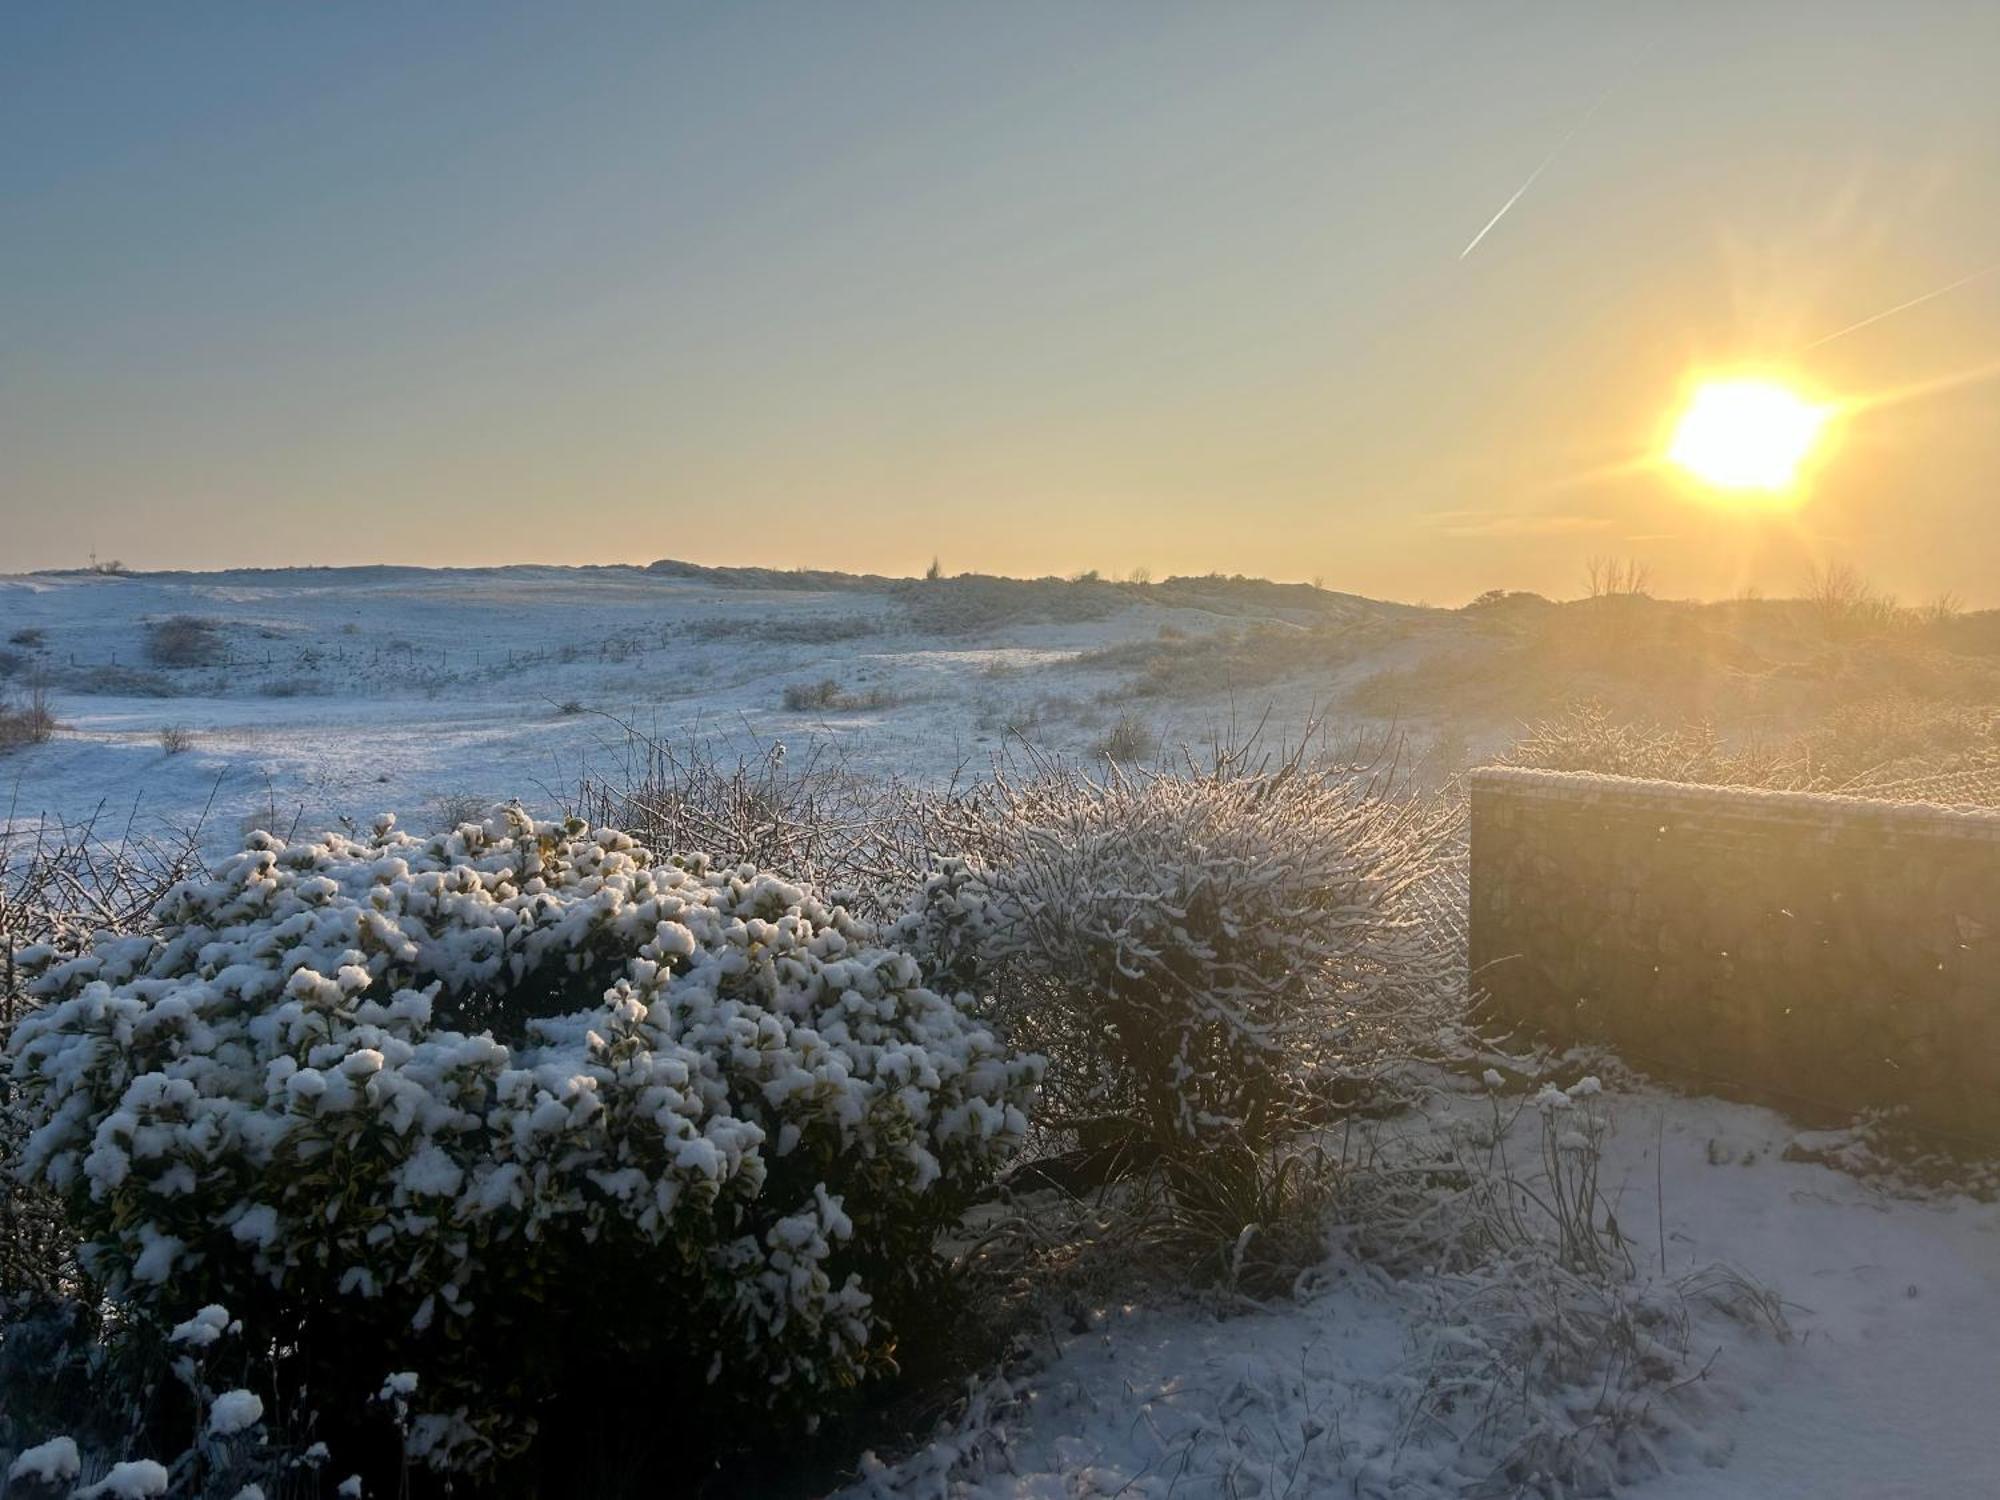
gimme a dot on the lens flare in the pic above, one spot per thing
(1747, 435)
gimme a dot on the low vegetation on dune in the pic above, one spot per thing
(830, 695)
(1129, 741)
(810, 629)
(1180, 665)
(184, 641)
(1736, 662)
(1832, 688)
(809, 580)
(959, 604)
(976, 602)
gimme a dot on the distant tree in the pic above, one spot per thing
(1847, 604)
(1609, 576)
(1942, 610)
(934, 572)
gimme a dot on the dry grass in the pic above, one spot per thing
(805, 815)
(1555, 1361)
(829, 696)
(1129, 741)
(449, 810)
(183, 641)
(26, 720)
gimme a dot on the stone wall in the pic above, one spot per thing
(1822, 953)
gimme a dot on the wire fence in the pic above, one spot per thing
(1975, 786)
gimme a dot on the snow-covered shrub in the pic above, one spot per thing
(59, 883)
(176, 1394)
(1201, 957)
(520, 1109)
(55, 1462)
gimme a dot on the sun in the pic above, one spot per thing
(1747, 435)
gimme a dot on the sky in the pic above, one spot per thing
(1031, 288)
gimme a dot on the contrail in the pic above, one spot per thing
(1546, 162)
(1891, 312)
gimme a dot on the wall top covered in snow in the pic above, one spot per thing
(1745, 801)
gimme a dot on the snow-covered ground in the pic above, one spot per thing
(345, 693)
(1885, 1387)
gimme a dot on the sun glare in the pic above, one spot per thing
(1747, 435)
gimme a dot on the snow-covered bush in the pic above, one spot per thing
(55, 1462)
(520, 1109)
(1201, 957)
(168, 1393)
(60, 882)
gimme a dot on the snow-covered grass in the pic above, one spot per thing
(345, 693)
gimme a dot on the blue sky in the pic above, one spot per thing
(1032, 287)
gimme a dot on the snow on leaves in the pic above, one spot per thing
(394, 1072)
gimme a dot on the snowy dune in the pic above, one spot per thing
(345, 692)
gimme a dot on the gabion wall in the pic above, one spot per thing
(1825, 954)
